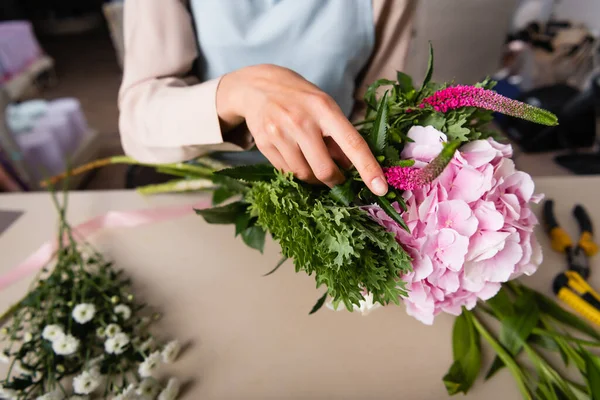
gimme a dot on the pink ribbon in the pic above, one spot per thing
(112, 219)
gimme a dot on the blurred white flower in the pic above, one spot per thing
(171, 351)
(55, 395)
(100, 332)
(53, 332)
(4, 358)
(149, 365)
(147, 344)
(171, 391)
(75, 397)
(27, 337)
(8, 394)
(148, 389)
(87, 381)
(111, 330)
(123, 311)
(127, 394)
(65, 345)
(116, 344)
(95, 362)
(83, 313)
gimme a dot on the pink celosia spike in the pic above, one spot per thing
(455, 97)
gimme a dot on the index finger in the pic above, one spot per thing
(357, 150)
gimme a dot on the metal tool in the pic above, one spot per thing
(571, 286)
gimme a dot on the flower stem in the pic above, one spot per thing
(508, 360)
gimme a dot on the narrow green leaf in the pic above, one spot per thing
(343, 193)
(391, 212)
(222, 194)
(429, 73)
(556, 312)
(496, 366)
(223, 215)
(377, 138)
(318, 304)
(254, 237)
(405, 82)
(371, 93)
(501, 304)
(467, 356)
(250, 173)
(279, 264)
(592, 368)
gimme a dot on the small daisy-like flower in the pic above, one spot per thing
(171, 391)
(53, 332)
(148, 343)
(87, 382)
(127, 394)
(65, 345)
(27, 337)
(171, 351)
(83, 313)
(124, 311)
(111, 330)
(116, 344)
(150, 365)
(148, 389)
(101, 333)
(114, 299)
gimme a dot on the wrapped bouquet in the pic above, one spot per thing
(451, 236)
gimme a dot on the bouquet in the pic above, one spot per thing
(451, 236)
(80, 333)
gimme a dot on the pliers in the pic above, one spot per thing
(571, 286)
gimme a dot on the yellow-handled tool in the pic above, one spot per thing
(571, 286)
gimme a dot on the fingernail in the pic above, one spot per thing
(380, 186)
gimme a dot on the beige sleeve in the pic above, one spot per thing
(164, 116)
(393, 32)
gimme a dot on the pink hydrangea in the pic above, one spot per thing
(471, 228)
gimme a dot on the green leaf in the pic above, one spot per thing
(391, 155)
(457, 131)
(429, 73)
(467, 356)
(391, 212)
(556, 312)
(222, 194)
(405, 82)
(435, 119)
(318, 304)
(371, 93)
(254, 237)
(250, 173)
(592, 368)
(517, 324)
(279, 264)
(343, 193)
(223, 215)
(242, 222)
(377, 139)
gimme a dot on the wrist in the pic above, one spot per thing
(229, 113)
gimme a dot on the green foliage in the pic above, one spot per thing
(429, 72)
(377, 139)
(466, 349)
(249, 173)
(341, 246)
(223, 215)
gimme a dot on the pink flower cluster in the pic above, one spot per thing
(471, 228)
(460, 96)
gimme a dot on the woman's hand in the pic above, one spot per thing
(298, 127)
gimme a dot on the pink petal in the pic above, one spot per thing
(478, 153)
(486, 244)
(487, 215)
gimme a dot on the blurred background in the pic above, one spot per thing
(60, 70)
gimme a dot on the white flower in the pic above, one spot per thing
(116, 344)
(111, 330)
(4, 358)
(148, 389)
(147, 344)
(53, 332)
(87, 381)
(75, 397)
(150, 365)
(127, 394)
(83, 313)
(66, 345)
(8, 394)
(27, 337)
(171, 351)
(171, 391)
(100, 332)
(96, 361)
(123, 311)
(366, 305)
(55, 395)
